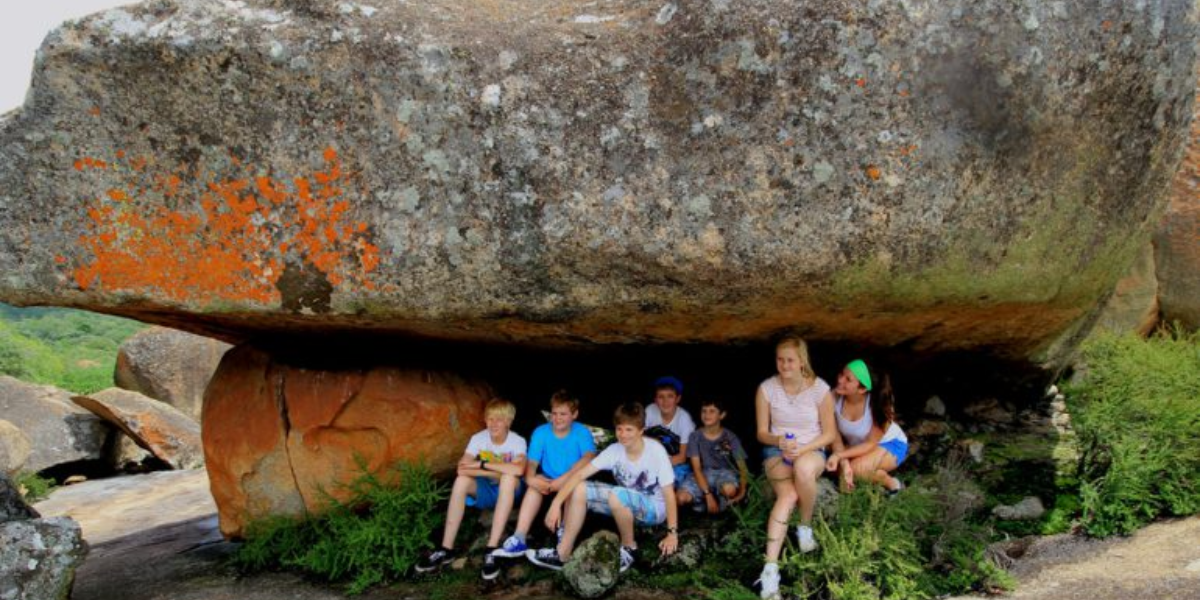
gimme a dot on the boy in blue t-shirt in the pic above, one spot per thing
(558, 449)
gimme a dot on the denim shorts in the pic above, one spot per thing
(487, 491)
(897, 448)
(716, 478)
(646, 510)
(770, 452)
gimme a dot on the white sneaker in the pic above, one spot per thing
(768, 582)
(804, 535)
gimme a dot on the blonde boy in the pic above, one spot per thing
(489, 475)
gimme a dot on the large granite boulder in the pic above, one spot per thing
(946, 174)
(167, 433)
(279, 437)
(1177, 241)
(55, 431)
(169, 365)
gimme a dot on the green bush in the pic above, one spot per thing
(922, 543)
(374, 536)
(1136, 411)
(71, 349)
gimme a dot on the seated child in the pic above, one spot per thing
(489, 475)
(644, 494)
(668, 394)
(718, 476)
(558, 449)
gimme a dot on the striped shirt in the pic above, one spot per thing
(797, 414)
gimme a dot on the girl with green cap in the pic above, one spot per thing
(870, 445)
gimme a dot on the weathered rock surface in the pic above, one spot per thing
(595, 565)
(56, 430)
(169, 365)
(950, 174)
(38, 558)
(167, 433)
(276, 435)
(1134, 303)
(12, 505)
(14, 448)
(1028, 509)
(1177, 240)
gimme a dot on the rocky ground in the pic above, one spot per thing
(154, 537)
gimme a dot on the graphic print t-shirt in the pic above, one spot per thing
(481, 446)
(648, 475)
(721, 453)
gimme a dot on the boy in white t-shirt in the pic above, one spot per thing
(489, 475)
(668, 394)
(644, 494)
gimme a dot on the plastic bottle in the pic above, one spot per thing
(789, 436)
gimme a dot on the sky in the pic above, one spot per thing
(24, 26)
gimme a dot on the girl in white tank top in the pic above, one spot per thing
(870, 445)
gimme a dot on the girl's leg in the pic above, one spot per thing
(807, 469)
(785, 501)
(874, 467)
(504, 504)
(463, 486)
(729, 490)
(683, 498)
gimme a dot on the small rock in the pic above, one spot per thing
(1029, 509)
(72, 480)
(459, 563)
(929, 428)
(935, 406)
(974, 449)
(988, 411)
(595, 566)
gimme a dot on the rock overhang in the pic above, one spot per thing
(947, 175)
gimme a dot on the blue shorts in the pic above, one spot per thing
(716, 478)
(682, 470)
(897, 448)
(770, 452)
(487, 491)
(645, 508)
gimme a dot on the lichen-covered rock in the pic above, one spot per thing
(170, 435)
(1028, 509)
(1177, 240)
(169, 365)
(595, 565)
(946, 174)
(278, 437)
(56, 431)
(38, 558)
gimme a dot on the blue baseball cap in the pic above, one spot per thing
(670, 382)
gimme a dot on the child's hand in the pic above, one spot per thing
(669, 544)
(553, 517)
(741, 494)
(713, 507)
(832, 463)
(848, 477)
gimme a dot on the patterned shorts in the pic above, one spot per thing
(646, 511)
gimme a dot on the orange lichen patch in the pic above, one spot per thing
(861, 82)
(222, 240)
(873, 172)
(94, 111)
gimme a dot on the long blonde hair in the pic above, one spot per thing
(795, 341)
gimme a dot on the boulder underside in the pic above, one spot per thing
(949, 175)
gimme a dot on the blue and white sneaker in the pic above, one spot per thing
(511, 548)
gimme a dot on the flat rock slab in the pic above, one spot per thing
(170, 435)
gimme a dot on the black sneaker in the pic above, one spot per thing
(546, 557)
(435, 560)
(491, 569)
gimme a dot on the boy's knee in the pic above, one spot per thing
(508, 482)
(462, 481)
(729, 490)
(682, 498)
(615, 503)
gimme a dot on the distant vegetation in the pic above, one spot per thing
(72, 349)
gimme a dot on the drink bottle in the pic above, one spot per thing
(789, 436)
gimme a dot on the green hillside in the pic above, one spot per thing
(73, 349)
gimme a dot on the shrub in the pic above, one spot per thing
(34, 487)
(1136, 410)
(374, 536)
(920, 544)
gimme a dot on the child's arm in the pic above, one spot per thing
(470, 466)
(681, 457)
(670, 543)
(868, 445)
(554, 513)
(557, 483)
(710, 497)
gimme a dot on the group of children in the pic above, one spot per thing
(706, 474)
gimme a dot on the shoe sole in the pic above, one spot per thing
(487, 577)
(533, 559)
(502, 553)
